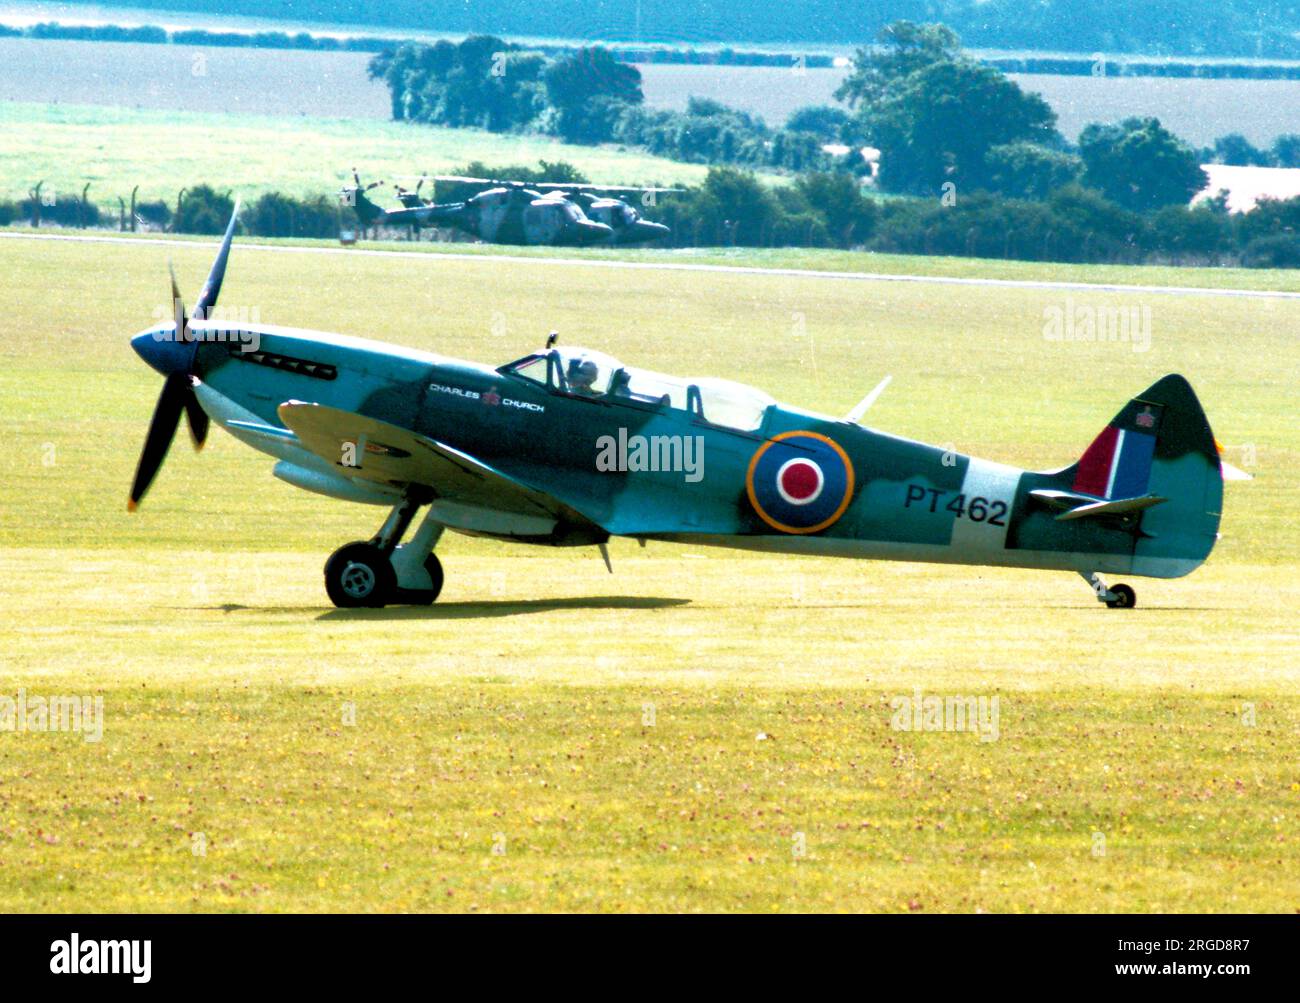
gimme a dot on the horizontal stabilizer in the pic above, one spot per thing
(864, 405)
(1081, 506)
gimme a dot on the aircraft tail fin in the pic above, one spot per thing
(366, 210)
(1158, 447)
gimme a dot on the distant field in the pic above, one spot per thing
(334, 84)
(1197, 110)
(161, 151)
(191, 78)
(770, 92)
(702, 730)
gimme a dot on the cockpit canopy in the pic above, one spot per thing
(589, 373)
(615, 212)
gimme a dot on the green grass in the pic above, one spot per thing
(115, 149)
(514, 713)
(800, 259)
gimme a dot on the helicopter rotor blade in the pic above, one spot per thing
(601, 188)
(552, 185)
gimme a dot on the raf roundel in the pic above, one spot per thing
(800, 482)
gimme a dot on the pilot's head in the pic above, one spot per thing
(582, 374)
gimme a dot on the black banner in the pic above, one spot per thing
(544, 952)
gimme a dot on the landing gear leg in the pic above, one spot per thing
(1115, 596)
(419, 572)
(371, 574)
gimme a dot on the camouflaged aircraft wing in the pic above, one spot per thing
(369, 449)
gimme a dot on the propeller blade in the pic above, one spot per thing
(197, 419)
(162, 427)
(178, 307)
(866, 402)
(212, 288)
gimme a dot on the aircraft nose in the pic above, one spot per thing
(162, 351)
(651, 231)
(591, 232)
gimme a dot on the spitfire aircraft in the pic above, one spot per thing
(511, 212)
(569, 447)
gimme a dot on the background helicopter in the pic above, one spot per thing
(516, 212)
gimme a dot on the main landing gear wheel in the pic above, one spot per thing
(1123, 597)
(360, 575)
(434, 567)
(424, 597)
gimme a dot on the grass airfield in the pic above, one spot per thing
(704, 730)
(162, 151)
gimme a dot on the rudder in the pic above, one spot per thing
(1160, 443)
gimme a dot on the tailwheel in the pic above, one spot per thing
(1122, 597)
(359, 575)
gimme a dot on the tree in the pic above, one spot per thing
(1286, 150)
(1278, 250)
(1026, 170)
(203, 210)
(1139, 164)
(1235, 148)
(934, 113)
(1087, 221)
(736, 207)
(589, 73)
(1184, 232)
(588, 122)
(277, 215)
(588, 92)
(850, 216)
(939, 122)
(830, 124)
(482, 81)
(905, 48)
(1270, 217)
